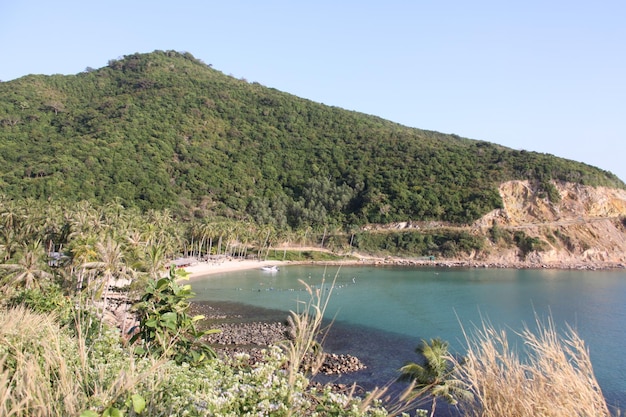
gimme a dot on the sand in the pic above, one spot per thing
(202, 269)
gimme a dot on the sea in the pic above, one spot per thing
(380, 313)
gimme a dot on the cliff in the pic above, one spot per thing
(585, 224)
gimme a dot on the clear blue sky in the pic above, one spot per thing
(540, 75)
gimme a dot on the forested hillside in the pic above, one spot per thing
(165, 130)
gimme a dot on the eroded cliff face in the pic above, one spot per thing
(586, 225)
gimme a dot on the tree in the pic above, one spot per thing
(436, 376)
(29, 268)
(109, 266)
(155, 261)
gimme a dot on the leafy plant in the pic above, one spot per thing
(49, 299)
(527, 244)
(165, 327)
(436, 376)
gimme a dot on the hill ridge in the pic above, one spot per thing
(164, 130)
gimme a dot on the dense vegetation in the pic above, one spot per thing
(60, 357)
(164, 130)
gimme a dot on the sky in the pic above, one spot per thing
(541, 75)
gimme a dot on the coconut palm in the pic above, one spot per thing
(109, 266)
(155, 261)
(85, 221)
(11, 215)
(436, 376)
(29, 269)
(83, 253)
(9, 242)
(208, 229)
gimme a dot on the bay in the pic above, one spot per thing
(381, 313)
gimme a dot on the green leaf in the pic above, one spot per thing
(140, 351)
(89, 413)
(169, 320)
(163, 282)
(139, 403)
(112, 412)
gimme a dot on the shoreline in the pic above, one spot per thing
(203, 269)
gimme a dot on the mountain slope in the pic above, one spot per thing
(586, 224)
(164, 130)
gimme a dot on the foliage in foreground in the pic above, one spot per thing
(165, 327)
(46, 371)
(555, 378)
(435, 378)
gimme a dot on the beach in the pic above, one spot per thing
(201, 269)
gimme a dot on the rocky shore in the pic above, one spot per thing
(417, 263)
(240, 334)
(591, 266)
(237, 333)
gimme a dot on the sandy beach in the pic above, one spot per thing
(202, 269)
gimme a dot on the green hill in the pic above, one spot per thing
(164, 130)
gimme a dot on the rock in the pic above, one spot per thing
(255, 333)
(335, 364)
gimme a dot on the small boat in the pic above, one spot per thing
(271, 268)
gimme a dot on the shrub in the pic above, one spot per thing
(527, 244)
(165, 328)
(44, 300)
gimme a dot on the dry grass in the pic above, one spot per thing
(303, 350)
(46, 372)
(555, 378)
(36, 372)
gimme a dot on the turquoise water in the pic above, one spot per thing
(382, 312)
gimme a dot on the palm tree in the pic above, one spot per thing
(109, 266)
(29, 269)
(85, 221)
(155, 261)
(436, 376)
(206, 231)
(83, 251)
(9, 242)
(11, 215)
(247, 231)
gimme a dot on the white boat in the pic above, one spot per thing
(270, 268)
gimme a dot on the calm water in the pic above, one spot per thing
(381, 313)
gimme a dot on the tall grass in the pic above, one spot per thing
(48, 372)
(552, 377)
(304, 348)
